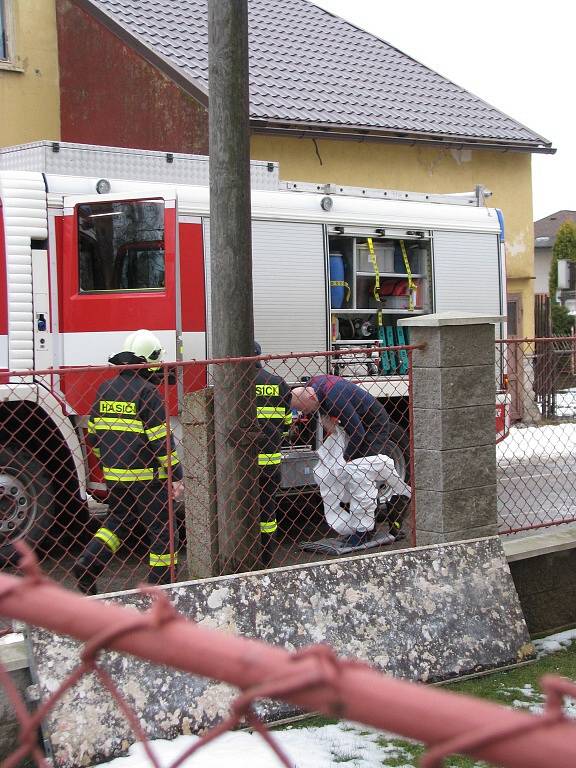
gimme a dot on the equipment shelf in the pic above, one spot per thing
(396, 275)
(358, 319)
(374, 310)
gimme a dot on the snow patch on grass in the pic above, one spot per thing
(553, 643)
(322, 747)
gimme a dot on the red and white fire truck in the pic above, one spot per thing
(96, 242)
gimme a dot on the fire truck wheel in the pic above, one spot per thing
(26, 502)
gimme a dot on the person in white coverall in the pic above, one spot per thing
(352, 463)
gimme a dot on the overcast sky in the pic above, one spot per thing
(518, 56)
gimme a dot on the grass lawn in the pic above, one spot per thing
(516, 688)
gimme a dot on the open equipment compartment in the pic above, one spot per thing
(376, 277)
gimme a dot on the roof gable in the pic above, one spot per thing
(312, 70)
(546, 229)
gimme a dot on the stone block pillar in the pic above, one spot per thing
(454, 396)
(200, 485)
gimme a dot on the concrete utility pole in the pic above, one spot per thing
(231, 280)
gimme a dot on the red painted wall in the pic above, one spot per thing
(110, 95)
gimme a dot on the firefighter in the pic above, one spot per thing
(274, 420)
(128, 432)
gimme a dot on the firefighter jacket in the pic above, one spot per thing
(274, 415)
(127, 431)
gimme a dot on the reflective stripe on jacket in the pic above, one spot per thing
(274, 415)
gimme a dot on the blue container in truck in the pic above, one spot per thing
(337, 287)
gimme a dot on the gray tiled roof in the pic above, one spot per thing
(546, 229)
(310, 68)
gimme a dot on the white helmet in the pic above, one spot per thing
(144, 344)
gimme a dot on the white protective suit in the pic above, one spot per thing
(355, 482)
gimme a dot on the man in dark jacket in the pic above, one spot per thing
(274, 419)
(358, 463)
(127, 431)
(363, 418)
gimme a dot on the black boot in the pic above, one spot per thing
(85, 580)
(159, 576)
(90, 565)
(268, 549)
(398, 508)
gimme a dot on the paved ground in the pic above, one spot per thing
(536, 492)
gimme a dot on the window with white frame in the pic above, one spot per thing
(6, 31)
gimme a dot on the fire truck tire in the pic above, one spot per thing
(26, 502)
(399, 450)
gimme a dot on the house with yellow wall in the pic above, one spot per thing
(329, 102)
(29, 84)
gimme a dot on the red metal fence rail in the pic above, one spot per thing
(134, 525)
(313, 678)
(537, 462)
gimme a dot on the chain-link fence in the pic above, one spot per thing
(204, 468)
(313, 678)
(537, 462)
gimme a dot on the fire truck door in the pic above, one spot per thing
(116, 269)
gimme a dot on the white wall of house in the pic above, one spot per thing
(542, 261)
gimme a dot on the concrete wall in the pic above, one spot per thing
(29, 97)
(544, 571)
(423, 169)
(543, 568)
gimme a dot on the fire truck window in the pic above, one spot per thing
(121, 246)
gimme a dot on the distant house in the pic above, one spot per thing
(545, 231)
(329, 101)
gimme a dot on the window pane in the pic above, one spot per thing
(512, 318)
(3, 32)
(121, 246)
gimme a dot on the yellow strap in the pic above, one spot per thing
(103, 423)
(411, 283)
(269, 527)
(341, 284)
(269, 459)
(288, 418)
(109, 538)
(127, 475)
(375, 266)
(162, 561)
